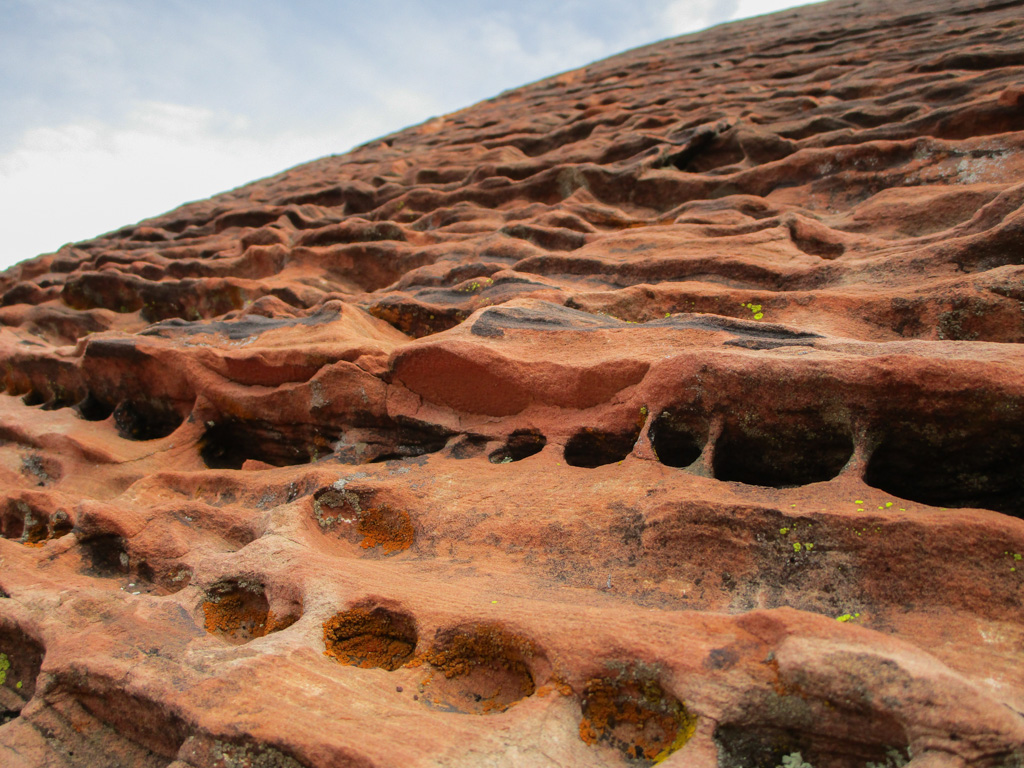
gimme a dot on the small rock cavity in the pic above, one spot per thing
(348, 516)
(636, 716)
(678, 440)
(146, 419)
(951, 465)
(593, 448)
(371, 636)
(481, 669)
(21, 657)
(791, 450)
(520, 445)
(238, 611)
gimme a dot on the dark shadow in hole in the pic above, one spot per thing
(677, 438)
(34, 397)
(592, 448)
(467, 447)
(521, 444)
(145, 420)
(60, 524)
(21, 657)
(791, 450)
(759, 746)
(413, 439)
(21, 522)
(371, 636)
(12, 524)
(231, 752)
(106, 555)
(93, 409)
(229, 444)
(947, 465)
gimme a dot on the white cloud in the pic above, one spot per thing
(683, 16)
(75, 181)
(747, 8)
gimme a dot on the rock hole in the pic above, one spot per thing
(235, 753)
(21, 657)
(592, 448)
(42, 469)
(60, 524)
(467, 447)
(22, 523)
(139, 731)
(371, 637)
(759, 746)
(741, 747)
(521, 444)
(414, 439)
(677, 440)
(946, 464)
(230, 444)
(636, 716)
(93, 409)
(481, 669)
(106, 555)
(347, 515)
(145, 420)
(238, 611)
(789, 450)
(34, 397)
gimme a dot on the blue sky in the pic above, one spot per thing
(115, 110)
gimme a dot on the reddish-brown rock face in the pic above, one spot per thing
(669, 410)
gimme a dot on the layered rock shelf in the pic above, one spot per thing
(669, 410)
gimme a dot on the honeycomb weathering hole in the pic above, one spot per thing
(793, 450)
(21, 657)
(636, 716)
(342, 512)
(593, 448)
(520, 445)
(481, 670)
(371, 637)
(760, 746)
(676, 441)
(229, 444)
(949, 466)
(21, 522)
(146, 419)
(106, 555)
(238, 611)
(93, 409)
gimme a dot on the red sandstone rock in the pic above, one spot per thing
(670, 410)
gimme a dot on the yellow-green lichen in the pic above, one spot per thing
(5, 664)
(756, 309)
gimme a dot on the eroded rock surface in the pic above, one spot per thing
(668, 410)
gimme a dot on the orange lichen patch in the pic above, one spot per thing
(389, 528)
(370, 637)
(340, 510)
(481, 669)
(240, 612)
(635, 716)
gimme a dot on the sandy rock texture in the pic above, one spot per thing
(670, 410)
